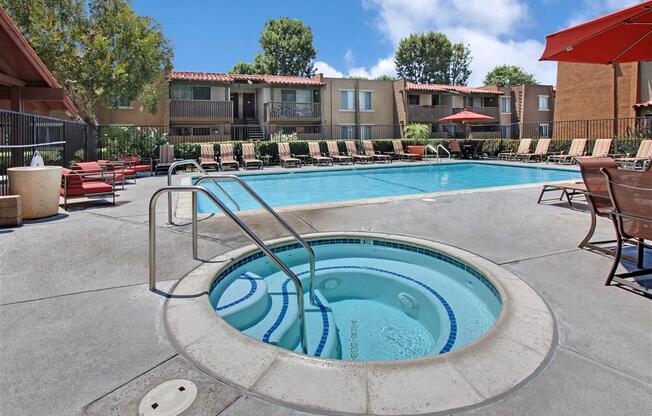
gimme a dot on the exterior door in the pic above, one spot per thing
(248, 105)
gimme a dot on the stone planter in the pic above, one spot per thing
(39, 188)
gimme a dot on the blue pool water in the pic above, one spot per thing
(298, 188)
(376, 300)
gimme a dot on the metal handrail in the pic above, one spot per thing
(252, 236)
(24, 146)
(436, 150)
(171, 170)
(243, 184)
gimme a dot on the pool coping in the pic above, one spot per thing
(505, 358)
(183, 207)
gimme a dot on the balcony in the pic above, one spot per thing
(279, 112)
(201, 111)
(427, 114)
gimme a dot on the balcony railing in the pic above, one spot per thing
(201, 110)
(487, 111)
(280, 111)
(428, 114)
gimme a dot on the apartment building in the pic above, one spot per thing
(212, 106)
(592, 91)
(527, 111)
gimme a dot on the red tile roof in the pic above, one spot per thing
(411, 86)
(267, 79)
(645, 104)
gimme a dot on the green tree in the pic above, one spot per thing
(508, 75)
(287, 48)
(385, 78)
(432, 58)
(99, 50)
(244, 68)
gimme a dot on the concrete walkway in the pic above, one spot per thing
(81, 334)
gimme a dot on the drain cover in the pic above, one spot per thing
(168, 399)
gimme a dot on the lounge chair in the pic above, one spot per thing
(316, 155)
(352, 151)
(455, 149)
(400, 154)
(369, 151)
(285, 157)
(165, 158)
(540, 152)
(76, 184)
(568, 190)
(334, 152)
(138, 164)
(249, 156)
(207, 157)
(638, 162)
(630, 194)
(523, 149)
(476, 149)
(597, 196)
(227, 159)
(576, 149)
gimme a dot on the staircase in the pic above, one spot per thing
(254, 132)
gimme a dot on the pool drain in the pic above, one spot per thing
(168, 399)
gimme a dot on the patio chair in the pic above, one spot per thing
(455, 149)
(249, 156)
(643, 157)
(334, 152)
(95, 168)
(523, 149)
(316, 156)
(568, 190)
(576, 149)
(165, 158)
(226, 157)
(285, 157)
(540, 152)
(630, 193)
(352, 151)
(207, 157)
(597, 196)
(400, 154)
(369, 151)
(124, 173)
(475, 152)
(76, 184)
(138, 164)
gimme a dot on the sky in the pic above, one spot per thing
(359, 37)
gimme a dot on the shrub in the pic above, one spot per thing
(417, 131)
(126, 140)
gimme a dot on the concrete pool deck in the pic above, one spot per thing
(82, 334)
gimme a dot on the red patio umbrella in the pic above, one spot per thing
(465, 117)
(622, 36)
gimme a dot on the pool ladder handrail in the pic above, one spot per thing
(201, 170)
(311, 254)
(194, 189)
(436, 150)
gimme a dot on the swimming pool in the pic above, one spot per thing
(375, 300)
(300, 188)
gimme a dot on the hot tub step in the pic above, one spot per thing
(245, 302)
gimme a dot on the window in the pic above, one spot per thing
(506, 105)
(347, 100)
(288, 96)
(190, 92)
(543, 103)
(201, 131)
(413, 99)
(365, 100)
(304, 96)
(436, 100)
(347, 132)
(181, 131)
(365, 132)
(507, 131)
(544, 130)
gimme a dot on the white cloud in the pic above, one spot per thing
(349, 57)
(384, 66)
(328, 71)
(487, 27)
(591, 9)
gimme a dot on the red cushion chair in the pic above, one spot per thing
(136, 163)
(77, 184)
(97, 167)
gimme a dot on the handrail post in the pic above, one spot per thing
(195, 251)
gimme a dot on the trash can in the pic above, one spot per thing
(39, 189)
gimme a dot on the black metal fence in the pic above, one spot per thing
(60, 142)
